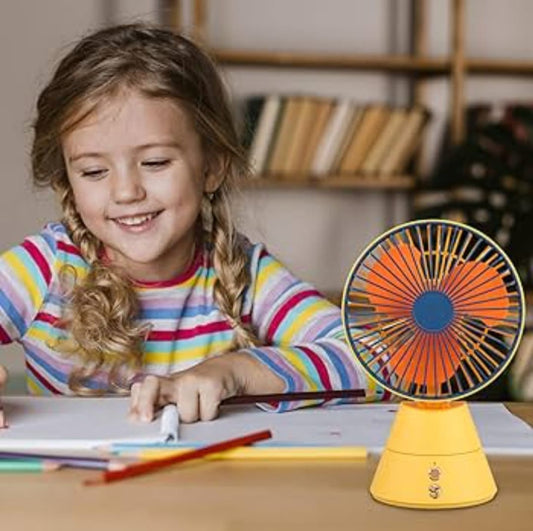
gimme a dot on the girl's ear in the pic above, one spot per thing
(215, 173)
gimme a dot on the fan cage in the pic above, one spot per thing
(433, 310)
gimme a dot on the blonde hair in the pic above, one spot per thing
(100, 318)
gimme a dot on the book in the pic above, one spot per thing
(370, 125)
(404, 145)
(264, 133)
(348, 135)
(292, 166)
(382, 143)
(324, 108)
(332, 138)
(283, 138)
(252, 111)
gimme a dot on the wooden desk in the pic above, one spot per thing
(238, 496)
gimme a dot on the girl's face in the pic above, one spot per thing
(138, 174)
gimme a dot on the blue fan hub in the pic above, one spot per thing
(433, 311)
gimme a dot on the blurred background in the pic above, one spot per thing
(398, 53)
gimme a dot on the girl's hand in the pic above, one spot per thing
(198, 391)
(3, 380)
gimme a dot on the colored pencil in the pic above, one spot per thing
(93, 463)
(25, 465)
(253, 453)
(291, 397)
(157, 464)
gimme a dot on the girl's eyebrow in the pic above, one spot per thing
(95, 154)
(73, 158)
(170, 143)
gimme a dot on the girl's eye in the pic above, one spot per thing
(93, 174)
(155, 164)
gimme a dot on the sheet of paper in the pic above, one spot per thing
(71, 423)
(357, 425)
(82, 423)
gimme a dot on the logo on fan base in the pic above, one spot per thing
(434, 490)
(434, 473)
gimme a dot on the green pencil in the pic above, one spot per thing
(27, 465)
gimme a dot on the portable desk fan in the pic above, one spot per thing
(433, 311)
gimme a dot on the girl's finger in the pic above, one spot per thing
(187, 402)
(208, 405)
(3, 376)
(147, 398)
(134, 399)
(3, 380)
(211, 394)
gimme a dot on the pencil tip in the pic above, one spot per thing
(113, 465)
(51, 466)
(93, 482)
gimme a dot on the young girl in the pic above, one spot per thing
(145, 274)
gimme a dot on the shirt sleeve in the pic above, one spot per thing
(303, 334)
(25, 276)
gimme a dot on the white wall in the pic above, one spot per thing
(318, 234)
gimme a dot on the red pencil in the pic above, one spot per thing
(151, 466)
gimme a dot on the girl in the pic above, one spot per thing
(145, 274)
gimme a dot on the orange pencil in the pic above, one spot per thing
(156, 464)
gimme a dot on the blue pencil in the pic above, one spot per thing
(123, 447)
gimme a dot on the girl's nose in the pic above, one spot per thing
(127, 187)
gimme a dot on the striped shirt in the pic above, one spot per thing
(302, 331)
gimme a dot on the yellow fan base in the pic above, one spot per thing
(433, 459)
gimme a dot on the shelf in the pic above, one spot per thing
(391, 63)
(354, 182)
(401, 63)
(500, 67)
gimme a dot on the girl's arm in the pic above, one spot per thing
(304, 339)
(305, 350)
(25, 276)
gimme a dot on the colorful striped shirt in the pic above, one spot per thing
(302, 331)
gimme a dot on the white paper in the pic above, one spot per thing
(501, 433)
(49, 423)
(83, 423)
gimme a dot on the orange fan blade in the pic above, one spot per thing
(482, 295)
(427, 362)
(389, 287)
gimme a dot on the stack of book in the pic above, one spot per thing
(301, 137)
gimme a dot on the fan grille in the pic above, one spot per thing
(433, 310)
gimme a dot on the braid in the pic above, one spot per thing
(232, 276)
(101, 313)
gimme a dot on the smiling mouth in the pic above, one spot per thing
(135, 221)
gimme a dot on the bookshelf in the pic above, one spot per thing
(419, 67)
(414, 65)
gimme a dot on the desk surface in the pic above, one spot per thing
(240, 496)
